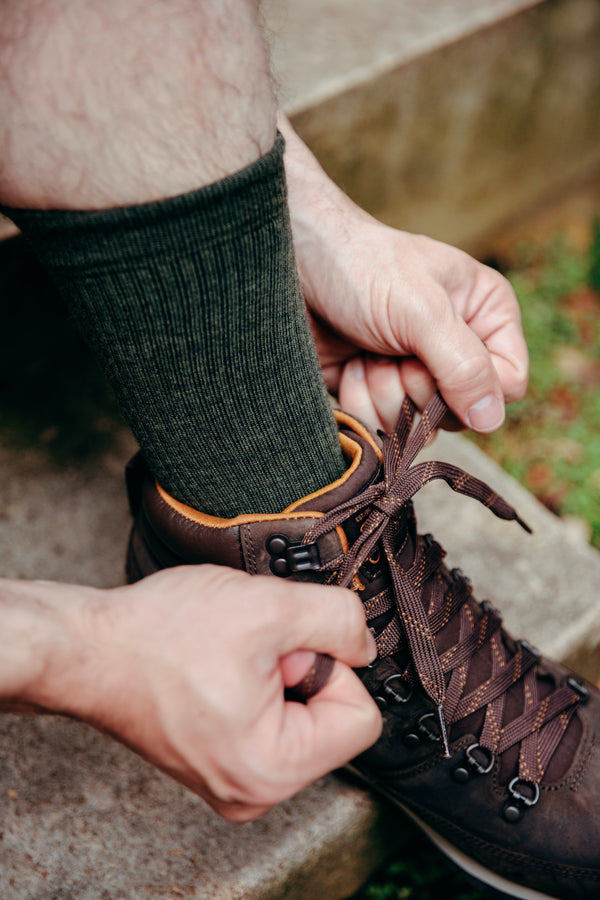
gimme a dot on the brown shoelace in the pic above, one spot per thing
(421, 601)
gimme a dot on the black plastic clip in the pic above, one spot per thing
(292, 557)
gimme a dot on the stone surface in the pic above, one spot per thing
(445, 124)
(321, 48)
(81, 817)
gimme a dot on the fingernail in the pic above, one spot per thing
(356, 367)
(371, 645)
(486, 414)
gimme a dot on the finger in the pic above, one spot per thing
(334, 726)
(386, 388)
(240, 812)
(294, 666)
(324, 619)
(492, 311)
(420, 387)
(354, 395)
(390, 378)
(460, 365)
(315, 677)
(508, 351)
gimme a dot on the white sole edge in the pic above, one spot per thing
(459, 858)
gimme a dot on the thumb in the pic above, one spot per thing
(462, 368)
(335, 725)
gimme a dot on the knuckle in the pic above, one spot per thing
(240, 814)
(472, 372)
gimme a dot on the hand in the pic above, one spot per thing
(397, 313)
(188, 668)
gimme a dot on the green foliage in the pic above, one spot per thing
(594, 266)
(551, 439)
(420, 874)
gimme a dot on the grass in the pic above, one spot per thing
(551, 439)
(551, 443)
(420, 874)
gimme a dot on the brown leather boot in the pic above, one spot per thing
(491, 749)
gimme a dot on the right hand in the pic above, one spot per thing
(188, 668)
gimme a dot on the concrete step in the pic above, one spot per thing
(450, 119)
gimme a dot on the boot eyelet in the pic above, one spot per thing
(397, 689)
(525, 795)
(525, 792)
(458, 575)
(461, 774)
(474, 755)
(278, 544)
(381, 702)
(290, 557)
(428, 726)
(478, 761)
(579, 688)
(489, 608)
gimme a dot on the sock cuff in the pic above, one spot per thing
(68, 239)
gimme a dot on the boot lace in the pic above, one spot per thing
(421, 598)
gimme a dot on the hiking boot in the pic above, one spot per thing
(490, 748)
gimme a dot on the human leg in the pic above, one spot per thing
(192, 302)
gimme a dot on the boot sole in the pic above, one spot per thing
(474, 870)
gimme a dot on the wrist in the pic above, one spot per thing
(314, 198)
(324, 219)
(41, 662)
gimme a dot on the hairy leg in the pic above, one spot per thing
(191, 301)
(108, 103)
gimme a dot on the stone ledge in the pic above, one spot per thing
(458, 133)
(322, 48)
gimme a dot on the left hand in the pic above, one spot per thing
(397, 313)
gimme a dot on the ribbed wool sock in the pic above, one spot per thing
(193, 307)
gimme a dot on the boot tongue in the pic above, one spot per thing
(363, 469)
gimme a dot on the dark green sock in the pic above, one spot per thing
(193, 307)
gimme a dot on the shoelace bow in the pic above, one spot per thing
(542, 723)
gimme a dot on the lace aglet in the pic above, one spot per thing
(443, 731)
(523, 524)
